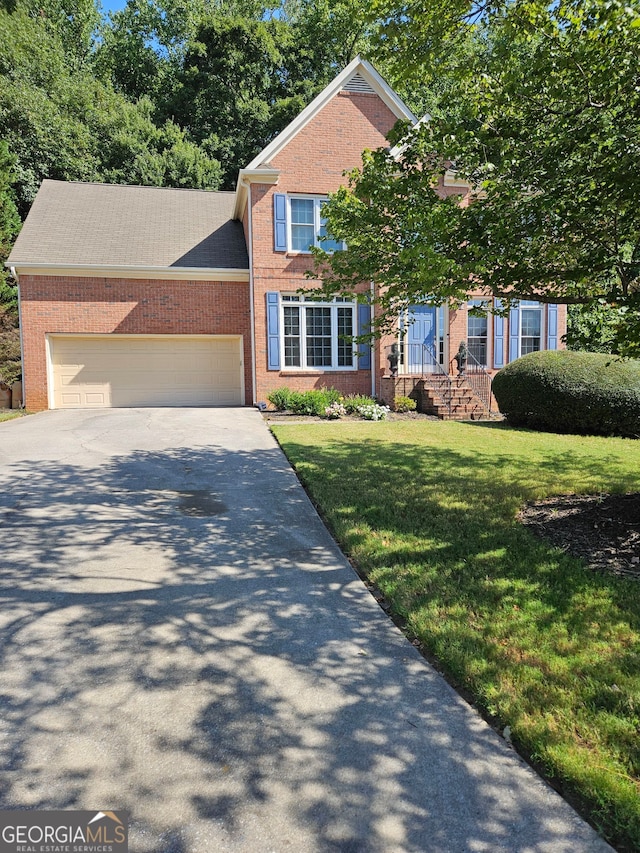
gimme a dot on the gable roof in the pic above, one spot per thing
(358, 76)
(130, 227)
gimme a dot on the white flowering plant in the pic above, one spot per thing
(335, 411)
(373, 412)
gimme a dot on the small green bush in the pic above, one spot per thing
(312, 402)
(573, 392)
(280, 399)
(354, 401)
(405, 404)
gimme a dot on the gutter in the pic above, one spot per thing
(244, 184)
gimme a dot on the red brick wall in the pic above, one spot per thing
(313, 162)
(58, 304)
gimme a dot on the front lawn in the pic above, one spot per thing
(542, 644)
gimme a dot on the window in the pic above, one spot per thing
(317, 334)
(307, 225)
(477, 333)
(530, 327)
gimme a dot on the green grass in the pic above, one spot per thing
(542, 644)
(9, 416)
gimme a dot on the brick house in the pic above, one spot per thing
(141, 296)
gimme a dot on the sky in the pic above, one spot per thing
(111, 5)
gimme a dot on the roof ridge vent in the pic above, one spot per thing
(357, 83)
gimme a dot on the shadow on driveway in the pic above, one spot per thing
(181, 638)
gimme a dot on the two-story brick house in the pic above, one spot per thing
(140, 296)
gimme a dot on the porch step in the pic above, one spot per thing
(463, 405)
(448, 398)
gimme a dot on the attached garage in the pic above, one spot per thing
(126, 371)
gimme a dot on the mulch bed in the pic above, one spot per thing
(602, 529)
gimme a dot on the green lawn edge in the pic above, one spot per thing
(428, 512)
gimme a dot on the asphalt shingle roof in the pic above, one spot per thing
(115, 225)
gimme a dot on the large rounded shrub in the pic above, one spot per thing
(577, 392)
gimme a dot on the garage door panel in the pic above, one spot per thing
(123, 371)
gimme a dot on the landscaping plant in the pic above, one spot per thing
(578, 392)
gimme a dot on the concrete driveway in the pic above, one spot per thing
(181, 638)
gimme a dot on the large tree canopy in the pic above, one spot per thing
(544, 125)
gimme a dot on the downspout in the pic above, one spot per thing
(15, 277)
(247, 184)
(374, 346)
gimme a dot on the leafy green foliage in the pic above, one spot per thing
(404, 404)
(540, 118)
(10, 363)
(593, 327)
(69, 126)
(313, 402)
(9, 221)
(575, 392)
(279, 399)
(353, 402)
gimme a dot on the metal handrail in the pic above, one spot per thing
(474, 371)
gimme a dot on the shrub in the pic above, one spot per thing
(280, 399)
(373, 412)
(575, 392)
(312, 402)
(353, 401)
(405, 404)
(335, 411)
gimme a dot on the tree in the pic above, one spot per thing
(66, 124)
(233, 93)
(545, 128)
(9, 226)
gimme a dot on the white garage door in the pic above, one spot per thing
(121, 371)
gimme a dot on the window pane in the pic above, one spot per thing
(531, 322)
(302, 211)
(477, 327)
(478, 349)
(302, 238)
(318, 326)
(345, 329)
(329, 245)
(291, 317)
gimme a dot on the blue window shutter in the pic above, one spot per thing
(280, 222)
(364, 326)
(498, 338)
(552, 327)
(514, 334)
(273, 330)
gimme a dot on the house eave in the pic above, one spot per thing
(260, 175)
(132, 272)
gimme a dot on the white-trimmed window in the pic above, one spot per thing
(530, 327)
(317, 335)
(478, 332)
(307, 225)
